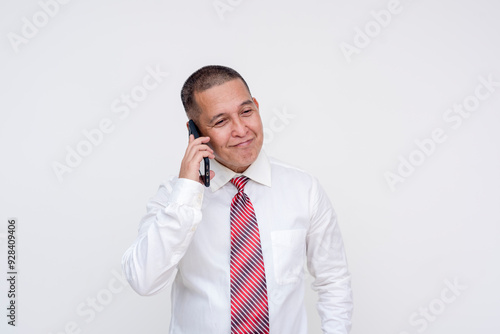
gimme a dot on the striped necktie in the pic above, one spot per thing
(249, 310)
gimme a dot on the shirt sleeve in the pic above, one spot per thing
(165, 233)
(327, 263)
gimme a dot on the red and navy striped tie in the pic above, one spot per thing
(249, 310)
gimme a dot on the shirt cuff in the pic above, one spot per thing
(187, 192)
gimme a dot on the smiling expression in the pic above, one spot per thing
(231, 118)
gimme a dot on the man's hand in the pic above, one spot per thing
(195, 152)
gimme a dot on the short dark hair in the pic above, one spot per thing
(203, 79)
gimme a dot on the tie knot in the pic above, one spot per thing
(240, 182)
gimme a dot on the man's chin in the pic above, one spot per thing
(238, 166)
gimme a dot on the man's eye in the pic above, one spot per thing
(247, 111)
(219, 122)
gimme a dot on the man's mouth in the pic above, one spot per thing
(244, 143)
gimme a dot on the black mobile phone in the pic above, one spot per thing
(193, 129)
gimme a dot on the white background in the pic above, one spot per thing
(354, 118)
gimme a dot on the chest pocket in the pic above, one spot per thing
(289, 249)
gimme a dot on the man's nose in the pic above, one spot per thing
(239, 128)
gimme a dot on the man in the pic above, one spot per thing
(234, 253)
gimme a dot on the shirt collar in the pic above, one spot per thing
(259, 171)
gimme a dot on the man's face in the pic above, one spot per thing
(230, 117)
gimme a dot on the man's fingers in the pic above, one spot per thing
(196, 150)
(197, 145)
(203, 154)
(196, 153)
(199, 140)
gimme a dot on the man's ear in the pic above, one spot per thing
(187, 125)
(255, 101)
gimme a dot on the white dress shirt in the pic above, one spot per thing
(184, 241)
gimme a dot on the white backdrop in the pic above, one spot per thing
(393, 105)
